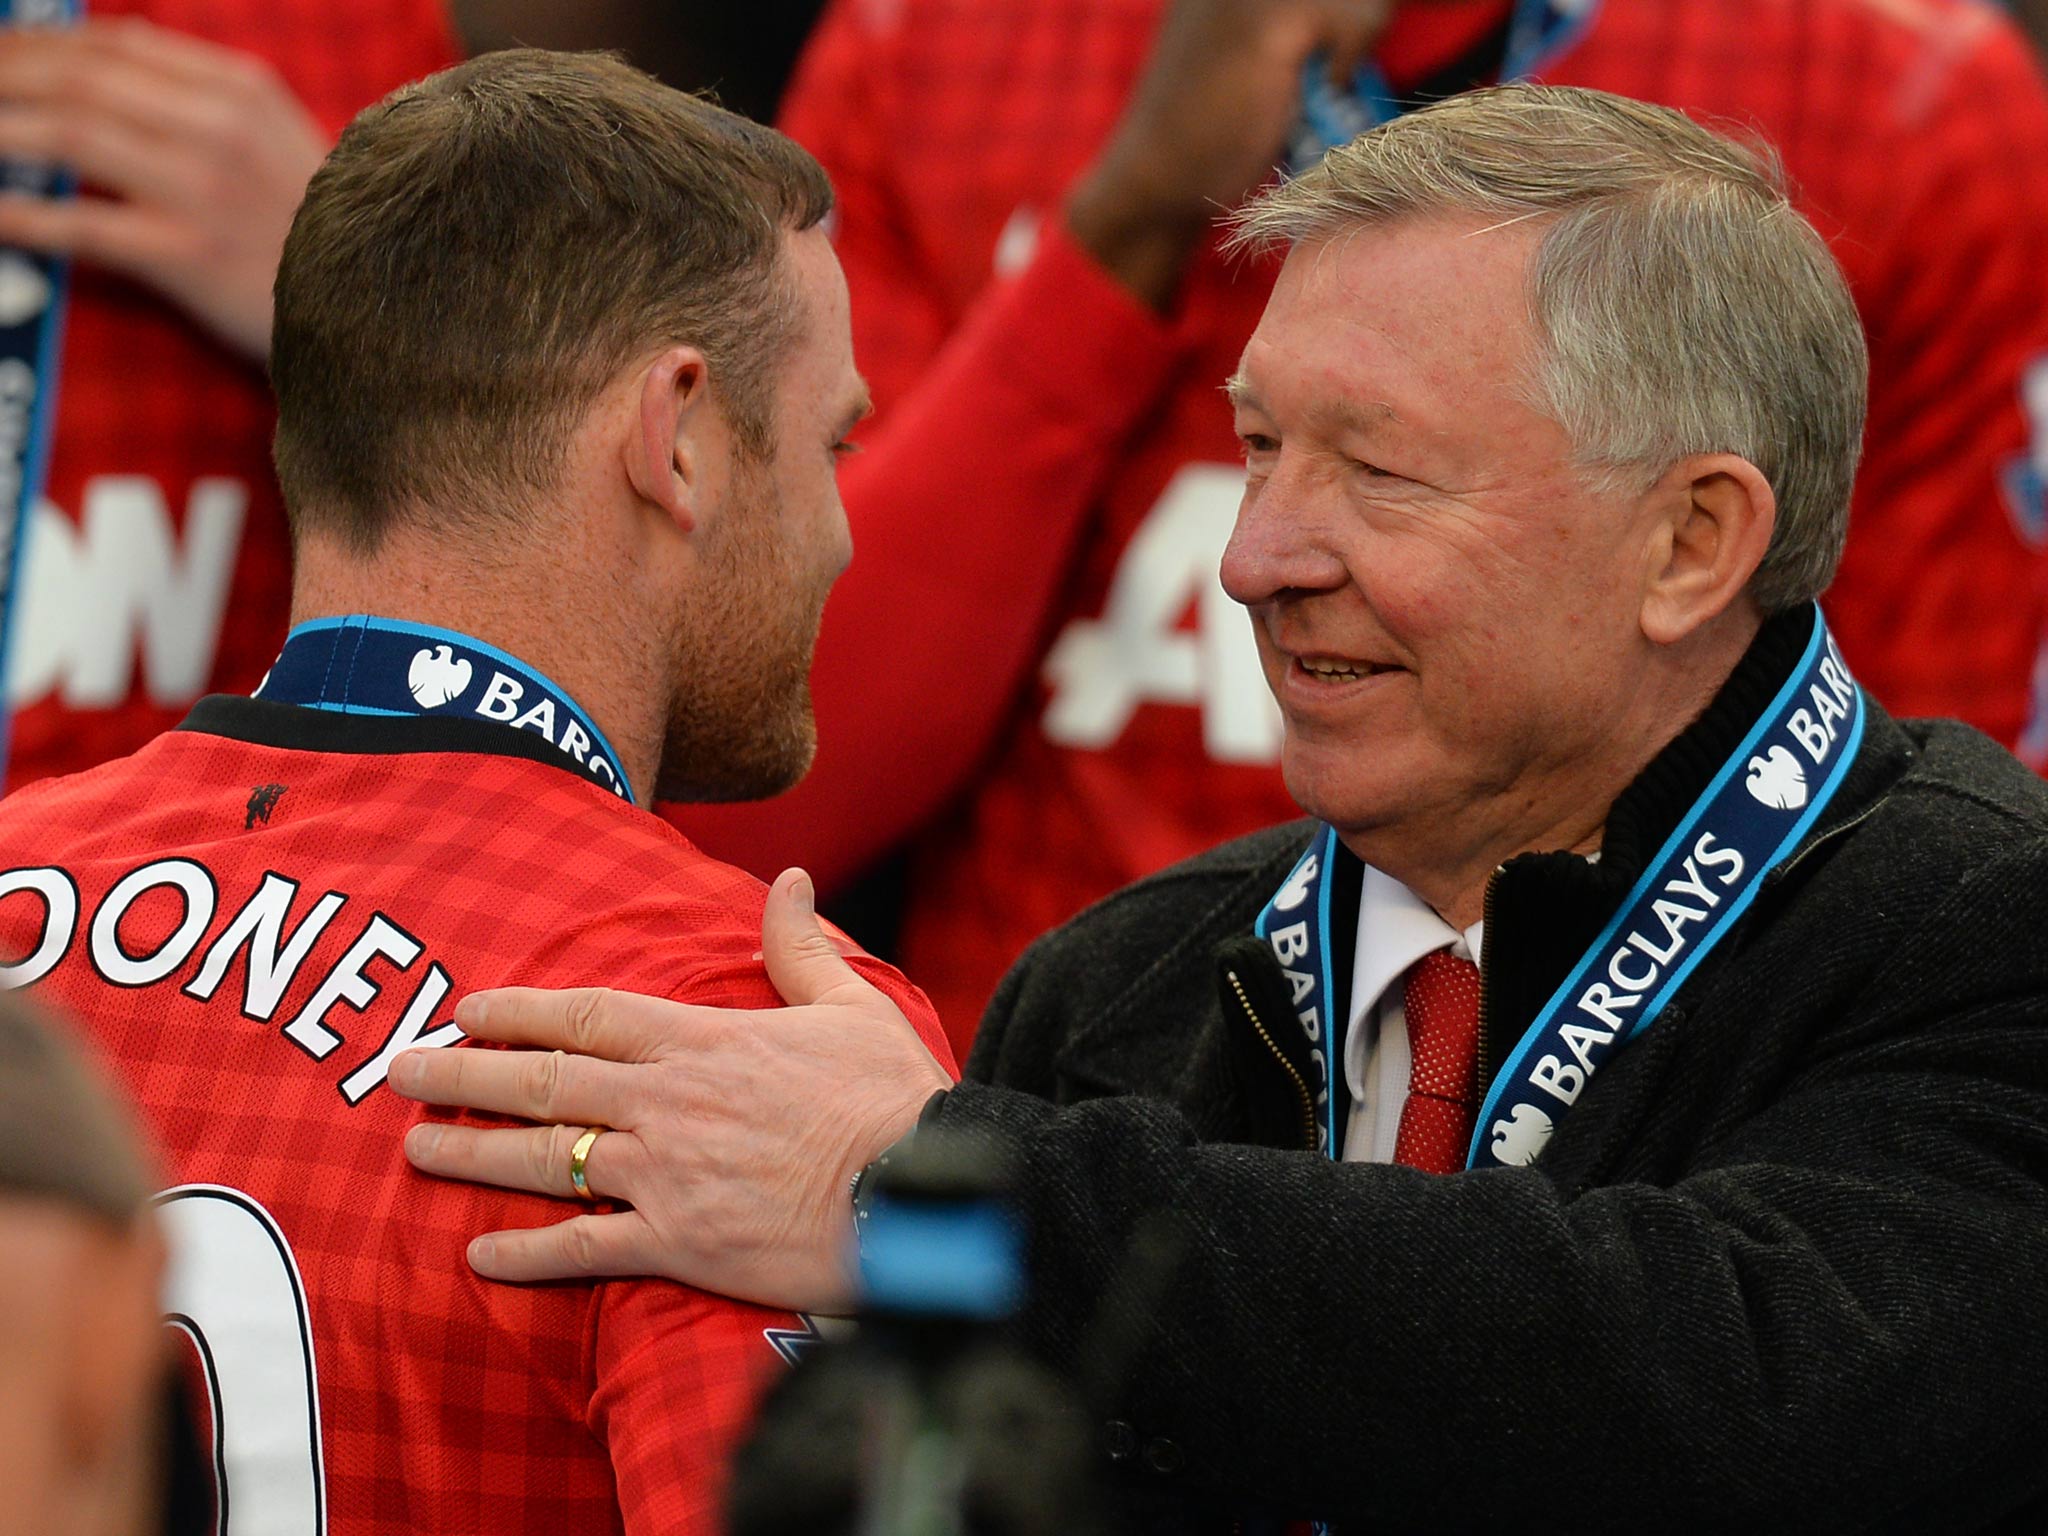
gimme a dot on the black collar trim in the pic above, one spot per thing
(291, 726)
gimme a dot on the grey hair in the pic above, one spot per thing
(1683, 306)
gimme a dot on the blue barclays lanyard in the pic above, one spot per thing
(360, 665)
(1331, 116)
(1296, 924)
(1749, 819)
(32, 294)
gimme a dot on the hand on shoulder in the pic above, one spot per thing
(733, 1135)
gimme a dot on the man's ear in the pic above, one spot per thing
(666, 459)
(1717, 512)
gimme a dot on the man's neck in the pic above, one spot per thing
(586, 642)
(1453, 882)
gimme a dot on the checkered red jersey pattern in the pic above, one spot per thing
(446, 1403)
(160, 569)
(1049, 477)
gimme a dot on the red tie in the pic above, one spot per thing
(1441, 999)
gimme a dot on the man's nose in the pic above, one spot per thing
(1281, 540)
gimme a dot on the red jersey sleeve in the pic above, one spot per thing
(745, 984)
(678, 1372)
(993, 434)
(1957, 320)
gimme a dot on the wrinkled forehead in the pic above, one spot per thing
(1412, 320)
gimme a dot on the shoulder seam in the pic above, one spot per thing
(1952, 791)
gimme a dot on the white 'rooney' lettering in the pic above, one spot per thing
(112, 959)
(60, 922)
(259, 931)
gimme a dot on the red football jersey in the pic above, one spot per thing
(250, 917)
(157, 567)
(1033, 610)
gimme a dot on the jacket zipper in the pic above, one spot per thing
(1301, 1093)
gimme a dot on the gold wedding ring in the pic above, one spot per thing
(580, 1155)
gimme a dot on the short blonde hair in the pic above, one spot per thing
(1684, 307)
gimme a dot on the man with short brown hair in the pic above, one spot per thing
(563, 367)
(423, 384)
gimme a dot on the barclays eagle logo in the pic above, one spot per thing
(1777, 780)
(1296, 890)
(1517, 1139)
(436, 676)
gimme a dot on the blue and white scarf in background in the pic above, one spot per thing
(33, 288)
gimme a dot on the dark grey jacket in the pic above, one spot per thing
(1784, 1267)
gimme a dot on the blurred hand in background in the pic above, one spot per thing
(1206, 124)
(192, 159)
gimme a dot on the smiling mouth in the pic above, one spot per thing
(1326, 670)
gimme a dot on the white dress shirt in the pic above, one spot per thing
(1396, 928)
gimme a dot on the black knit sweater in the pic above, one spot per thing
(1783, 1268)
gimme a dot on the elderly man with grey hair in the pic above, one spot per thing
(1624, 1105)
